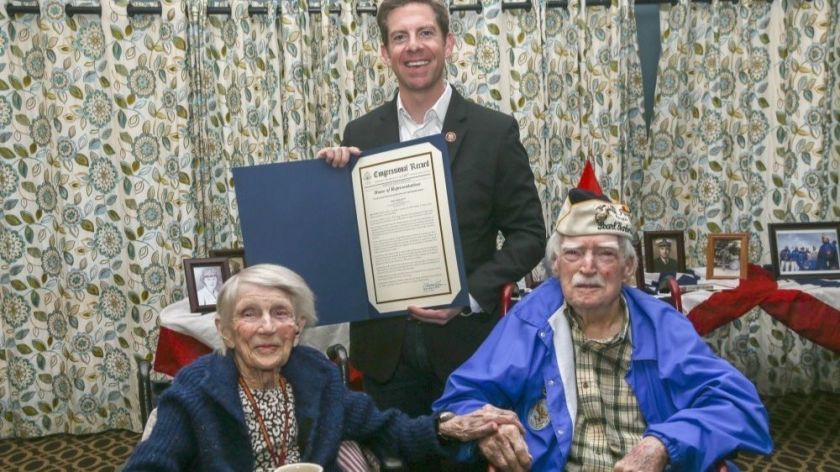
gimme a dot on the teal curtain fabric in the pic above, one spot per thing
(97, 211)
(740, 133)
(118, 136)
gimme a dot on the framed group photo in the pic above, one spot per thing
(727, 255)
(805, 250)
(664, 251)
(205, 277)
(235, 257)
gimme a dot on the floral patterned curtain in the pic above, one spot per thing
(118, 136)
(741, 127)
(594, 102)
(96, 216)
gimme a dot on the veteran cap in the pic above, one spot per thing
(663, 243)
(588, 211)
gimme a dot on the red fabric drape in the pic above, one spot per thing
(799, 311)
(175, 350)
(727, 305)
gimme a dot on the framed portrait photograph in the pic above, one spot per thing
(235, 257)
(726, 256)
(664, 251)
(805, 250)
(204, 279)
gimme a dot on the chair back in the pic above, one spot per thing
(676, 294)
(507, 298)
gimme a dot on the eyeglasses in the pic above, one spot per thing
(275, 315)
(600, 255)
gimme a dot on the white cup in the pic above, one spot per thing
(300, 467)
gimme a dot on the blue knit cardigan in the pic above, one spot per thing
(201, 424)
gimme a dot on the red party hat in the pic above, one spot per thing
(588, 181)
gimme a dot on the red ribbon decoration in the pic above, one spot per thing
(799, 311)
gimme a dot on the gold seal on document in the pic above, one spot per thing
(451, 137)
(538, 415)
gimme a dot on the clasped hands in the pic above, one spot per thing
(499, 434)
(500, 438)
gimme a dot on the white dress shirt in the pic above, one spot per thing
(432, 124)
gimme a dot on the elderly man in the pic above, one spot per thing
(602, 376)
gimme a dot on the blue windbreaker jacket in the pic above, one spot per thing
(697, 404)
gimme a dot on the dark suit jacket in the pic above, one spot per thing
(494, 191)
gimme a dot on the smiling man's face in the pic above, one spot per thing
(416, 48)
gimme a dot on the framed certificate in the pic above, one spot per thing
(370, 239)
(406, 230)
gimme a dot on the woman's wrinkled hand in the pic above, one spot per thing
(480, 423)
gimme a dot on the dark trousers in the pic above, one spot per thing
(412, 389)
(414, 386)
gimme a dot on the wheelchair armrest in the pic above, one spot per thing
(338, 354)
(149, 390)
(144, 382)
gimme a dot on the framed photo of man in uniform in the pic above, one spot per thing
(805, 250)
(204, 279)
(664, 251)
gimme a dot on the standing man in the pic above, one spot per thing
(406, 360)
(827, 255)
(603, 376)
(785, 259)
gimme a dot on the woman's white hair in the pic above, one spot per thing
(625, 246)
(270, 276)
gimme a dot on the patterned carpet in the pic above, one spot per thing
(806, 429)
(102, 452)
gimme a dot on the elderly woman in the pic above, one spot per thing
(264, 401)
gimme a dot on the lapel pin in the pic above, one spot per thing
(451, 137)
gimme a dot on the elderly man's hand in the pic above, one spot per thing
(338, 156)
(479, 424)
(429, 315)
(506, 450)
(649, 455)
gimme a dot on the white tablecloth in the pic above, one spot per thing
(774, 357)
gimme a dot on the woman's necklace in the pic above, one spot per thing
(277, 458)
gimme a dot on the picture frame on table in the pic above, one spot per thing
(235, 257)
(805, 250)
(727, 256)
(664, 251)
(205, 277)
